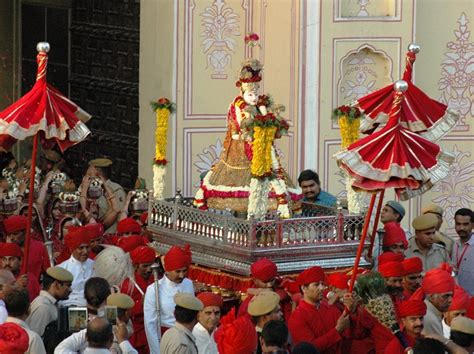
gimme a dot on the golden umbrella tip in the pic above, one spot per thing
(43, 47)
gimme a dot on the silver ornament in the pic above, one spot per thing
(400, 86)
(414, 48)
(43, 47)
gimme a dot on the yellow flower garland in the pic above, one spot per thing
(162, 115)
(349, 130)
(263, 137)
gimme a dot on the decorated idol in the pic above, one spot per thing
(249, 178)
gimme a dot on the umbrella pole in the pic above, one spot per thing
(30, 206)
(376, 223)
(362, 242)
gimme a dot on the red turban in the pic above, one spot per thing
(264, 270)
(95, 230)
(437, 281)
(412, 265)
(391, 269)
(177, 258)
(390, 257)
(210, 299)
(128, 225)
(460, 301)
(311, 275)
(412, 308)
(129, 243)
(15, 223)
(77, 237)
(10, 250)
(143, 254)
(236, 336)
(338, 280)
(394, 234)
(13, 339)
(144, 218)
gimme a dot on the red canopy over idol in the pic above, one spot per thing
(43, 112)
(418, 112)
(395, 157)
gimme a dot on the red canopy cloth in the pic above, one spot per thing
(43, 110)
(395, 157)
(419, 113)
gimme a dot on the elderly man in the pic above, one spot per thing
(56, 286)
(457, 308)
(413, 268)
(440, 237)
(7, 282)
(176, 264)
(179, 338)
(314, 320)
(142, 258)
(463, 254)
(412, 313)
(79, 264)
(208, 320)
(423, 245)
(393, 273)
(11, 256)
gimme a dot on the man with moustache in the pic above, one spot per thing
(412, 313)
(457, 308)
(413, 268)
(176, 263)
(440, 237)
(208, 320)
(393, 272)
(463, 253)
(311, 186)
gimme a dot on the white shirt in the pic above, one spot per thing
(446, 329)
(3, 312)
(167, 291)
(35, 343)
(204, 341)
(81, 271)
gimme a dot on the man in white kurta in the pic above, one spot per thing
(176, 263)
(208, 320)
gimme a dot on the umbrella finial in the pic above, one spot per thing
(414, 48)
(400, 86)
(43, 47)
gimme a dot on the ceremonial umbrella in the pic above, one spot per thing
(418, 112)
(46, 113)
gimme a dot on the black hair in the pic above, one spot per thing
(184, 315)
(96, 291)
(99, 336)
(275, 333)
(308, 175)
(17, 302)
(461, 338)
(47, 281)
(428, 346)
(465, 212)
(304, 348)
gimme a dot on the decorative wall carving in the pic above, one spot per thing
(367, 10)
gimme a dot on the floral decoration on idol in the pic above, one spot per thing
(348, 119)
(163, 107)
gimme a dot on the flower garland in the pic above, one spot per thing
(163, 107)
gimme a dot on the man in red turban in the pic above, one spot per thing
(142, 258)
(208, 320)
(96, 234)
(457, 308)
(11, 256)
(128, 226)
(13, 339)
(129, 243)
(79, 264)
(412, 279)
(236, 336)
(38, 259)
(393, 272)
(412, 313)
(394, 239)
(176, 263)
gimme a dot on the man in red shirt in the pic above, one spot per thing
(411, 313)
(314, 320)
(38, 259)
(142, 259)
(11, 256)
(412, 279)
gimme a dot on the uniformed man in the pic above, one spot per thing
(440, 237)
(56, 286)
(179, 338)
(423, 245)
(102, 168)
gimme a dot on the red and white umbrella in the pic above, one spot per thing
(419, 113)
(46, 113)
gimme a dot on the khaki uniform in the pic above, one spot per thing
(447, 241)
(103, 203)
(435, 256)
(178, 340)
(43, 311)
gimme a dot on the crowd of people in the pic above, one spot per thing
(52, 301)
